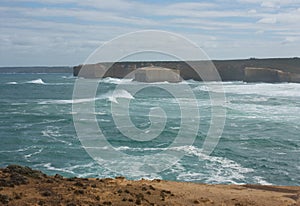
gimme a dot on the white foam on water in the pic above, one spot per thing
(202, 88)
(132, 172)
(49, 166)
(62, 83)
(24, 149)
(12, 83)
(111, 80)
(54, 134)
(51, 131)
(68, 101)
(81, 167)
(220, 169)
(69, 77)
(215, 169)
(104, 120)
(131, 149)
(88, 165)
(120, 93)
(264, 89)
(34, 153)
(18, 103)
(18, 150)
(267, 112)
(36, 81)
(261, 181)
(100, 113)
(111, 96)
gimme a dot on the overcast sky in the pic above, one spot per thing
(66, 32)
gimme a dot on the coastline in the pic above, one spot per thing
(24, 186)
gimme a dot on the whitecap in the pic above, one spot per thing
(100, 113)
(264, 89)
(68, 101)
(34, 153)
(112, 96)
(36, 81)
(120, 93)
(69, 77)
(18, 103)
(49, 166)
(111, 80)
(12, 83)
(221, 169)
(175, 128)
(60, 83)
(261, 181)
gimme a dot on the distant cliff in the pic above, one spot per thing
(230, 70)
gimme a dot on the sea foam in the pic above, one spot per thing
(111, 96)
(36, 81)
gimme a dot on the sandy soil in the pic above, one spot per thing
(24, 186)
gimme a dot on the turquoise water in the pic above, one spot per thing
(260, 141)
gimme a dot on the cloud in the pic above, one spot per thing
(290, 39)
(75, 28)
(268, 20)
(269, 4)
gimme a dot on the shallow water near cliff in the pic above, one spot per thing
(260, 141)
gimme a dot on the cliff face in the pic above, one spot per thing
(253, 74)
(157, 74)
(229, 70)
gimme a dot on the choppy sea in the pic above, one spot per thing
(260, 143)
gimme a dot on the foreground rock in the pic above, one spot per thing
(24, 186)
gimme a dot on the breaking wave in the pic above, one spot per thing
(36, 81)
(111, 96)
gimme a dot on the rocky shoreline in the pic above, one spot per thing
(24, 186)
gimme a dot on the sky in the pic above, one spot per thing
(66, 32)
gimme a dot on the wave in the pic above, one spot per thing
(50, 167)
(36, 81)
(69, 77)
(68, 101)
(111, 96)
(18, 103)
(111, 80)
(40, 81)
(12, 83)
(120, 93)
(221, 170)
(263, 89)
(210, 169)
(62, 83)
(33, 154)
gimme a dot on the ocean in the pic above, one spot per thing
(260, 143)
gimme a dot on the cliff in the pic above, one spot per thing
(229, 70)
(157, 74)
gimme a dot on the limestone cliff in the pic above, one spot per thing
(285, 69)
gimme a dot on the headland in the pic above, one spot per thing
(271, 70)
